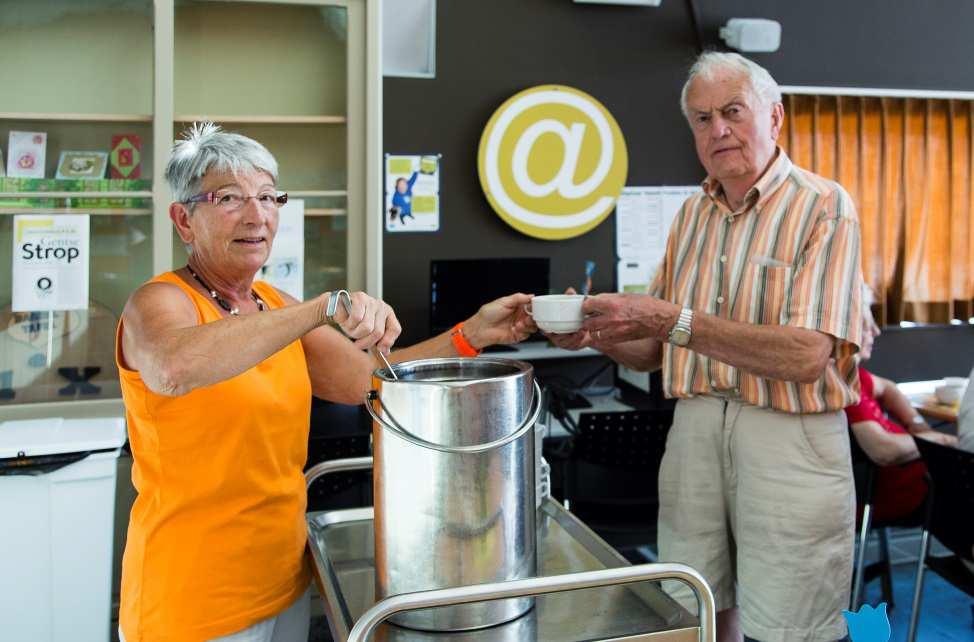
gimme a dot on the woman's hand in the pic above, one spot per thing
(938, 438)
(502, 321)
(372, 322)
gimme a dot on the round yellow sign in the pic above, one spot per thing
(552, 162)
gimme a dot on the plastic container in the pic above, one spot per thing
(57, 507)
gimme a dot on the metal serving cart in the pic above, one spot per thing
(586, 591)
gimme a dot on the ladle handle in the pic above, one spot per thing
(347, 302)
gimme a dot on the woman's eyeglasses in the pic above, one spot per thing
(230, 201)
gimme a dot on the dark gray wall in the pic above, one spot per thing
(634, 60)
(919, 354)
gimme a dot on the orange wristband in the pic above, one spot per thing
(463, 347)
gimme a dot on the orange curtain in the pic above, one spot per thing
(908, 165)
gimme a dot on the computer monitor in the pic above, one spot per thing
(458, 287)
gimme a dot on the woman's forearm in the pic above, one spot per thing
(898, 406)
(188, 358)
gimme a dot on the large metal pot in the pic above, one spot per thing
(454, 484)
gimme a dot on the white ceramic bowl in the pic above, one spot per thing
(558, 327)
(557, 313)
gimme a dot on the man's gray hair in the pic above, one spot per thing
(711, 62)
(203, 147)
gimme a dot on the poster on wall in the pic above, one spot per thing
(643, 219)
(285, 265)
(412, 201)
(50, 262)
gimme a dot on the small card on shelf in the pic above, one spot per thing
(26, 154)
(84, 165)
(126, 156)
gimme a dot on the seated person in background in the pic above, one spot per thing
(877, 423)
(965, 418)
(965, 431)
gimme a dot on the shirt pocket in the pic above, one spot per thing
(769, 288)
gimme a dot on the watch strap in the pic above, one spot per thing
(683, 323)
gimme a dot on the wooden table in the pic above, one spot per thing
(921, 395)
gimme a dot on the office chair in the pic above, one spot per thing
(950, 505)
(865, 471)
(611, 477)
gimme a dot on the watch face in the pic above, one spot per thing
(680, 337)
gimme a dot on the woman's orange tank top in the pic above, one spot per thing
(216, 538)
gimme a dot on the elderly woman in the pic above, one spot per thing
(217, 374)
(877, 422)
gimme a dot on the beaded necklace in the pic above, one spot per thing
(220, 300)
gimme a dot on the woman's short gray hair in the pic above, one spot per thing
(205, 146)
(711, 62)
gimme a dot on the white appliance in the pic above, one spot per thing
(57, 507)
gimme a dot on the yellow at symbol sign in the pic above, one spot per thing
(552, 162)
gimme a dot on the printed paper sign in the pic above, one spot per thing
(643, 219)
(50, 262)
(285, 265)
(412, 193)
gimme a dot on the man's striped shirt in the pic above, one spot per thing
(789, 256)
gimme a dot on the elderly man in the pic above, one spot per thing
(754, 316)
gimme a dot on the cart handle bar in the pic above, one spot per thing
(335, 466)
(541, 586)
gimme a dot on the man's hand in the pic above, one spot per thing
(502, 321)
(572, 340)
(371, 322)
(616, 318)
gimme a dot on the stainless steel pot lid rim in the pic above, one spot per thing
(455, 371)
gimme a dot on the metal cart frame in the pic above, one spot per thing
(536, 586)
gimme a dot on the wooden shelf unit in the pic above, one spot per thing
(94, 211)
(77, 118)
(120, 194)
(315, 193)
(265, 120)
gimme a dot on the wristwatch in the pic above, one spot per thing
(680, 332)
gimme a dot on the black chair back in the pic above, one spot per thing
(951, 517)
(612, 475)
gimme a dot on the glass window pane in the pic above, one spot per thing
(84, 79)
(291, 98)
